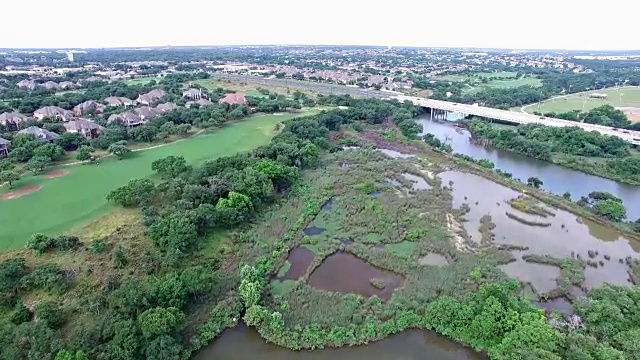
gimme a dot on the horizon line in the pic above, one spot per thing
(322, 45)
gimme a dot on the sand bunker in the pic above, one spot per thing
(18, 193)
(56, 174)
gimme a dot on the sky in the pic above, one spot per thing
(514, 24)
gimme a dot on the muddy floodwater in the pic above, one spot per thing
(417, 182)
(567, 233)
(346, 273)
(395, 154)
(541, 276)
(300, 258)
(242, 343)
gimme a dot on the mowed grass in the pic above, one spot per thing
(628, 96)
(141, 80)
(79, 197)
(502, 79)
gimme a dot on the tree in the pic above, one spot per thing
(119, 149)
(51, 313)
(135, 193)
(163, 347)
(9, 176)
(37, 164)
(170, 167)
(235, 209)
(144, 133)
(159, 321)
(535, 182)
(68, 355)
(52, 151)
(84, 153)
(71, 141)
(611, 209)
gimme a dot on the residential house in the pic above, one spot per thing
(4, 147)
(193, 94)
(41, 135)
(147, 113)
(27, 84)
(232, 99)
(53, 112)
(50, 85)
(201, 102)
(67, 85)
(169, 106)
(12, 120)
(129, 119)
(151, 97)
(87, 128)
(119, 101)
(88, 106)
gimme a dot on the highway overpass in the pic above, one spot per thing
(518, 117)
(513, 117)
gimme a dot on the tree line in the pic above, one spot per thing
(590, 152)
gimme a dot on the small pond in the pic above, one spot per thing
(299, 259)
(242, 343)
(346, 273)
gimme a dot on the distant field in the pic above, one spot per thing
(496, 80)
(79, 197)
(251, 88)
(141, 80)
(628, 96)
(60, 93)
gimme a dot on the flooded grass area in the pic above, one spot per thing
(346, 273)
(542, 277)
(563, 236)
(418, 183)
(433, 259)
(299, 260)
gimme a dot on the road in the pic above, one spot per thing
(515, 117)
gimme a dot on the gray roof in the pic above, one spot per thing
(53, 111)
(117, 100)
(167, 106)
(151, 96)
(40, 134)
(81, 124)
(4, 141)
(126, 117)
(11, 117)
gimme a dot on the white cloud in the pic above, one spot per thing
(566, 24)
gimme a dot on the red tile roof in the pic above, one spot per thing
(236, 98)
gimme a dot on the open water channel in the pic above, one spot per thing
(557, 179)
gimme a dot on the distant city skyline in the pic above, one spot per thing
(498, 24)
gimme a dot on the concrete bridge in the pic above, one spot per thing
(439, 107)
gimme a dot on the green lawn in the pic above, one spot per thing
(474, 83)
(628, 96)
(141, 80)
(79, 197)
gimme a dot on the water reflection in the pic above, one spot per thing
(242, 343)
(557, 179)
